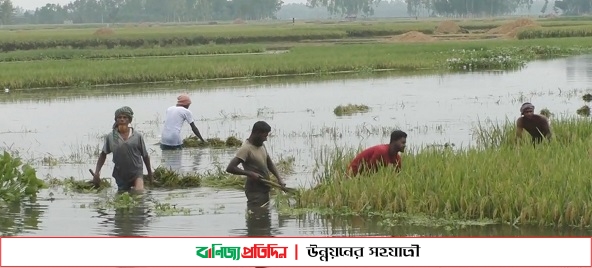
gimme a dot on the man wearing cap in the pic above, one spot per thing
(129, 150)
(174, 119)
(535, 124)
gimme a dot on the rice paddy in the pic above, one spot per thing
(491, 183)
(33, 58)
(500, 181)
(193, 141)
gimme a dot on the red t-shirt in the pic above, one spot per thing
(373, 157)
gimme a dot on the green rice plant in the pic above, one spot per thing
(197, 35)
(168, 178)
(300, 60)
(119, 53)
(555, 32)
(193, 141)
(350, 109)
(502, 181)
(79, 186)
(18, 180)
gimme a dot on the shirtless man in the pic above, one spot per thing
(535, 124)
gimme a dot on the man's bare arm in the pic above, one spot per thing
(233, 168)
(196, 131)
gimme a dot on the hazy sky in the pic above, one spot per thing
(32, 4)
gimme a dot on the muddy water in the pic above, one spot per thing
(67, 125)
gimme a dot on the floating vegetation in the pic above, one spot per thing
(485, 59)
(584, 110)
(350, 109)
(502, 182)
(505, 58)
(587, 97)
(80, 186)
(168, 178)
(225, 181)
(17, 180)
(193, 141)
(126, 201)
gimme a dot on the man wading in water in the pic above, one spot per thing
(256, 165)
(372, 158)
(175, 117)
(535, 124)
(128, 150)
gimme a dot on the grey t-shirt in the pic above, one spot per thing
(127, 155)
(255, 159)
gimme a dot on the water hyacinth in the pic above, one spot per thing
(506, 58)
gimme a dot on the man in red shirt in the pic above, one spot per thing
(380, 155)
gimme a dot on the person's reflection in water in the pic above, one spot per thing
(258, 221)
(129, 221)
(173, 159)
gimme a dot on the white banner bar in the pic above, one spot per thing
(329, 251)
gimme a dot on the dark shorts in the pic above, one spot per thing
(168, 147)
(126, 184)
(256, 198)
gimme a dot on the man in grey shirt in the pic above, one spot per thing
(129, 150)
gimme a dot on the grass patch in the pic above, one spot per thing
(497, 181)
(350, 109)
(168, 178)
(79, 186)
(302, 59)
(193, 141)
(125, 201)
(556, 32)
(69, 54)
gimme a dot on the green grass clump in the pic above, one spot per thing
(80, 186)
(168, 178)
(499, 180)
(193, 141)
(350, 109)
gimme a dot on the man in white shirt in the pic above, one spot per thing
(176, 116)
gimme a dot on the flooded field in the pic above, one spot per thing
(60, 132)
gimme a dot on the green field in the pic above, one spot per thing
(124, 54)
(501, 182)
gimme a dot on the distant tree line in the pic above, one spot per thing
(479, 8)
(118, 11)
(122, 11)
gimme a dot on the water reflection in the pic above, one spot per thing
(127, 221)
(579, 68)
(18, 218)
(258, 221)
(172, 159)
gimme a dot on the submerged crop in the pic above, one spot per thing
(500, 181)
